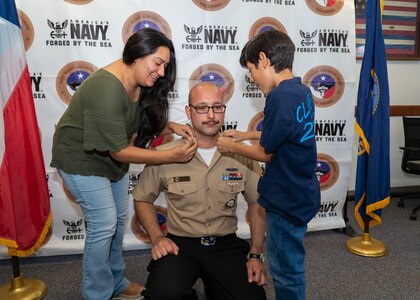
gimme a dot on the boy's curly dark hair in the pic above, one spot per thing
(276, 45)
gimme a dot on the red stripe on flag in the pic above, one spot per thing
(399, 33)
(24, 199)
(400, 8)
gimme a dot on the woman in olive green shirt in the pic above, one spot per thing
(93, 147)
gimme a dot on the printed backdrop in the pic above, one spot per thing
(67, 40)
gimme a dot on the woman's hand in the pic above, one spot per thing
(183, 153)
(185, 131)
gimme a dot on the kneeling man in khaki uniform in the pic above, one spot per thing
(202, 197)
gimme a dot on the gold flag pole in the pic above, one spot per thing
(365, 245)
(20, 288)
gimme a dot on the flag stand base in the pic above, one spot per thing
(23, 289)
(366, 246)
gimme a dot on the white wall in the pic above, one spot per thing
(404, 87)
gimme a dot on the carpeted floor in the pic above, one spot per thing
(332, 271)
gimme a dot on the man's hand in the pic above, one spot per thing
(162, 247)
(256, 272)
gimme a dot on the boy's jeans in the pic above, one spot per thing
(286, 257)
(104, 205)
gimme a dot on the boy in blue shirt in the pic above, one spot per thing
(289, 189)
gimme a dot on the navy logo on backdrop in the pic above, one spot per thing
(228, 125)
(37, 91)
(211, 5)
(328, 209)
(324, 41)
(326, 84)
(173, 94)
(327, 171)
(273, 2)
(325, 7)
(193, 34)
(78, 33)
(210, 37)
(263, 24)
(70, 77)
(138, 230)
(330, 131)
(252, 90)
(145, 19)
(58, 29)
(27, 29)
(74, 230)
(73, 227)
(89, 33)
(216, 74)
(307, 38)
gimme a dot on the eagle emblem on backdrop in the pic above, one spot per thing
(58, 29)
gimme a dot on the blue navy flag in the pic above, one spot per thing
(372, 124)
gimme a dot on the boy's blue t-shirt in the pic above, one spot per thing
(289, 185)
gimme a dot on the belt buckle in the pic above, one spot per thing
(208, 240)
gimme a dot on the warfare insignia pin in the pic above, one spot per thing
(231, 203)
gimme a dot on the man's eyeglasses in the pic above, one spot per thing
(217, 109)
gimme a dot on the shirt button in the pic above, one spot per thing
(209, 207)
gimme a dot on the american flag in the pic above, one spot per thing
(399, 24)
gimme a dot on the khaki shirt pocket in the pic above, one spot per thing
(229, 194)
(184, 195)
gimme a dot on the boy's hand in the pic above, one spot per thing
(225, 144)
(236, 135)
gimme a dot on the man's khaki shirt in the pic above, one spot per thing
(201, 199)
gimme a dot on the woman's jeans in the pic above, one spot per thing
(104, 204)
(286, 257)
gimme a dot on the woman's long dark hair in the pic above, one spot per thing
(153, 101)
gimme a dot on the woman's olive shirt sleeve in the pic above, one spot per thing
(100, 119)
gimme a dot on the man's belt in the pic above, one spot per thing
(210, 240)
